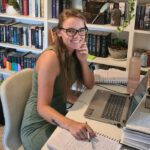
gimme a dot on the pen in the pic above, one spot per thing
(88, 135)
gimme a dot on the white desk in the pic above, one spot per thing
(77, 113)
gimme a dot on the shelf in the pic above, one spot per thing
(105, 27)
(53, 21)
(21, 48)
(6, 72)
(109, 61)
(142, 32)
(145, 69)
(23, 17)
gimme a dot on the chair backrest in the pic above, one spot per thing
(15, 91)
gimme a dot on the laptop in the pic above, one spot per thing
(115, 108)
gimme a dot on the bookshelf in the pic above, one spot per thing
(141, 37)
(136, 38)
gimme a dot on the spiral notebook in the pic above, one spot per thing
(111, 76)
(63, 140)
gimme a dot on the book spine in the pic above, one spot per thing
(54, 11)
(97, 45)
(40, 37)
(32, 37)
(21, 6)
(25, 7)
(14, 35)
(4, 2)
(39, 8)
(94, 48)
(8, 63)
(36, 8)
(137, 21)
(42, 8)
(89, 43)
(142, 14)
(37, 37)
(104, 46)
(32, 8)
(60, 6)
(1, 9)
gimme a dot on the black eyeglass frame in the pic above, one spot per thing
(79, 31)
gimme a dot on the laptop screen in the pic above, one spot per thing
(138, 94)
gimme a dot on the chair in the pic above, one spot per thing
(15, 91)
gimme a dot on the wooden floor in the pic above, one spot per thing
(1, 134)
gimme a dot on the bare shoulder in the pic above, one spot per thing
(48, 59)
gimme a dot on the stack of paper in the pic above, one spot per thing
(136, 133)
(136, 139)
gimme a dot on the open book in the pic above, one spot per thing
(111, 76)
(63, 140)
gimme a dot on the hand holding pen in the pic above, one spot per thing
(90, 134)
(81, 131)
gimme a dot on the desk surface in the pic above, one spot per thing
(78, 109)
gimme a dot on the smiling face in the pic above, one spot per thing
(76, 41)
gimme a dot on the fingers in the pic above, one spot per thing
(81, 135)
(90, 130)
(82, 51)
(83, 132)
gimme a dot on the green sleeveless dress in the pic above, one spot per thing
(34, 129)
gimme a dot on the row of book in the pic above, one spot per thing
(91, 10)
(58, 5)
(34, 8)
(98, 43)
(22, 34)
(142, 21)
(15, 60)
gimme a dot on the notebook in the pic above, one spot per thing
(111, 76)
(115, 108)
(58, 142)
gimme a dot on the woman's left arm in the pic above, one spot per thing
(88, 76)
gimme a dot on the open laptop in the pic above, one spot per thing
(115, 108)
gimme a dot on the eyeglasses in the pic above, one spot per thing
(72, 32)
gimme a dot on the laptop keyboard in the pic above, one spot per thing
(114, 107)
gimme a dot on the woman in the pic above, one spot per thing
(56, 70)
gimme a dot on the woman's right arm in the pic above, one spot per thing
(48, 69)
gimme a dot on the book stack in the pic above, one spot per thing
(15, 60)
(142, 21)
(136, 139)
(22, 34)
(30, 60)
(58, 5)
(34, 8)
(136, 133)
